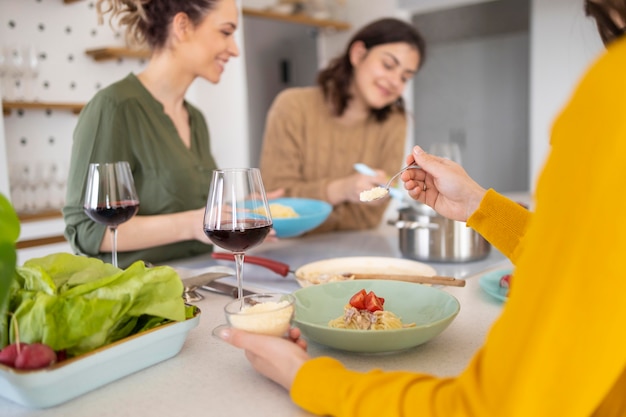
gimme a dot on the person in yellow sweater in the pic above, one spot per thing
(314, 135)
(559, 346)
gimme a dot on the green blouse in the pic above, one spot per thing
(124, 122)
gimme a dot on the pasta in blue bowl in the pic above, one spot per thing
(293, 217)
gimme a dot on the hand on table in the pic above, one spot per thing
(279, 359)
(443, 185)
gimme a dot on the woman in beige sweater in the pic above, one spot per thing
(315, 135)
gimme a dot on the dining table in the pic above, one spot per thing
(209, 377)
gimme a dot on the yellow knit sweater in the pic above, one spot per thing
(559, 346)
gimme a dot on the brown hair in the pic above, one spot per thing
(148, 21)
(335, 79)
(601, 11)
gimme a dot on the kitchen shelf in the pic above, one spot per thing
(40, 215)
(8, 106)
(108, 53)
(299, 18)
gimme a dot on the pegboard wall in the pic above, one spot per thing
(37, 140)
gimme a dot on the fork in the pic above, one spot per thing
(378, 196)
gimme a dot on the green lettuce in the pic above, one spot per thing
(78, 304)
(9, 233)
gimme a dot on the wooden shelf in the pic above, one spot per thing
(301, 19)
(105, 54)
(8, 106)
(40, 215)
(70, 1)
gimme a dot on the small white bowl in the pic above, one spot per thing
(269, 313)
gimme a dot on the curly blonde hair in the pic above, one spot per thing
(148, 22)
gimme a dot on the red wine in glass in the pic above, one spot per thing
(237, 216)
(110, 197)
(117, 212)
(238, 239)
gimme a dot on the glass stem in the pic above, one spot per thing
(114, 245)
(239, 269)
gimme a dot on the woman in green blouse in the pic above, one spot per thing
(145, 120)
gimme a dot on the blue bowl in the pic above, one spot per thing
(311, 213)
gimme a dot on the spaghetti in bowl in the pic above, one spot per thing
(428, 310)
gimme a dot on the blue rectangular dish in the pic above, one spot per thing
(71, 378)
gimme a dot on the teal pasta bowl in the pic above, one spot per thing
(295, 216)
(423, 311)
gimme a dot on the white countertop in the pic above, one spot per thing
(210, 378)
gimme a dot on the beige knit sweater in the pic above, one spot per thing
(305, 147)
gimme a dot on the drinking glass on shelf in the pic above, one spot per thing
(16, 72)
(448, 150)
(4, 72)
(237, 215)
(30, 58)
(110, 197)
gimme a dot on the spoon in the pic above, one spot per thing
(377, 193)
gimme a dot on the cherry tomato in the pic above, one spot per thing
(358, 300)
(372, 302)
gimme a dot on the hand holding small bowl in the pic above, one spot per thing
(269, 314)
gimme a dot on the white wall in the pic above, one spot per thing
(268, 44)
(4, 179)
(563, 44)
(474, 91)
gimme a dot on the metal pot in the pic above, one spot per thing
(424, 235)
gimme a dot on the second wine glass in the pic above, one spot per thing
(110, 197)
(237, 215)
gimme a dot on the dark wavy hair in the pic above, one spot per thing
(148, 21)
(335, 79)
(601, 12)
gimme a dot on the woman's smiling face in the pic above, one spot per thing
(212, 42)
(382, 72)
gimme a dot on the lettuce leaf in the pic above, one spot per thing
(78, 304)
(9, 233)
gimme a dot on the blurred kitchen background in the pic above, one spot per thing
(496, 75)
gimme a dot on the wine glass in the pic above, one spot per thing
(16, 71)
(237, 216)
(30, 71)
(4, 72)
(448, 150)
(110, 197)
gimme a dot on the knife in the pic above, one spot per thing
(225, 289)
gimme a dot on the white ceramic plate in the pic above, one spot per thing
(69, 379)
(490, 283)
(308, 274)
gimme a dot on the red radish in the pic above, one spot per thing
(35, 356)
(9, 354)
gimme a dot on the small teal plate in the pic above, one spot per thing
(490, 283)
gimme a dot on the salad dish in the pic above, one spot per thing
(71, 378)
(76, 323)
